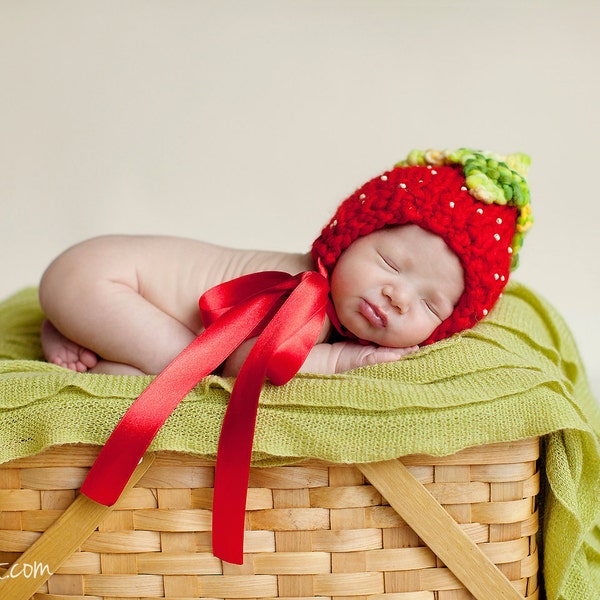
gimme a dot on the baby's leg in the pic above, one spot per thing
(119, 325)
(112, 368)
(91, 296)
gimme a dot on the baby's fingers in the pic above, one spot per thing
(351, 355)
(402, 351)
(383, 354)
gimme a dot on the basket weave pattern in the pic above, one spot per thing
(313, 529)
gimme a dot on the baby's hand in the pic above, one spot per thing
(343, 356)
(352, 355)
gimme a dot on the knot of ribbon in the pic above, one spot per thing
(285, 314)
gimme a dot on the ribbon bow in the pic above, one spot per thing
(286, 313)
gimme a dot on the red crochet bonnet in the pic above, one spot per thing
(476, 201)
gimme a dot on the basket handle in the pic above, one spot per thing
(60, 540)
(438, 530)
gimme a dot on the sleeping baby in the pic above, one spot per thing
(413, 256)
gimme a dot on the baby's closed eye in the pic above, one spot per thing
(388, 263)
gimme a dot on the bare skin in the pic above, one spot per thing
(129, 304)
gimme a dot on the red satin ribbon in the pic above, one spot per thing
(287, 314)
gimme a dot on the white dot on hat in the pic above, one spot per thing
(403, 186)
(452, 205)
(485, 312)
(499, 221)
(497, 237)
(384, 178)
(480, 211)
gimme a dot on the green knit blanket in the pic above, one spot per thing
(515, 375)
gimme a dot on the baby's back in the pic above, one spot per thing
(170, 272)
(177, 271)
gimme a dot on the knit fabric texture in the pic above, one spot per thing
(474, 201)
(515, 375)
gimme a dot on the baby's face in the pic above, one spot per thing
(395, 286)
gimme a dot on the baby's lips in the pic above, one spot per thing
(375, 316)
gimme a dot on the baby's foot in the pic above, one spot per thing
(65, 353)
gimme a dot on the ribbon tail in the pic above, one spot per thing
(233, 468)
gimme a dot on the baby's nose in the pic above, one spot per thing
(399, 297)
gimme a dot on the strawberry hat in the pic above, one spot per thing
(478, 202)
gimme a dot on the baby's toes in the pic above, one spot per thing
(87, 359)
(77, 366)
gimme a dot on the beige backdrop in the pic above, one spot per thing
(245, 123)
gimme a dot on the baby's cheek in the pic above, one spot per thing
(408, 334)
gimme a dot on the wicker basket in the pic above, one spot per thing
(313, 530)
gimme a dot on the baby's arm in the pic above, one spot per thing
(328, 359)
(340, 357)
